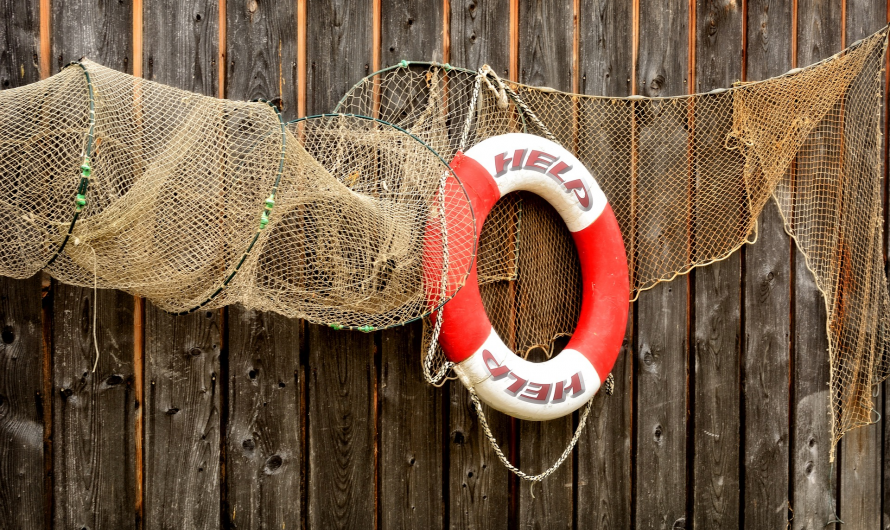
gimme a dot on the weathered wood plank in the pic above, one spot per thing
(261, 59)
(478, 485)
(719, 27)
(21, 402)
(183, 399)
(603, 498)
(93, 412)
(99, 31)
(21, 338)
(767, 351)
(480, 34)
(182, 420)
(411, 452)
(860, 474)
(342, 429)
(342, 371)
(411, 436)
(545, 59)
(264, 454)
(662, 344)
(813, 493)
(412, 31)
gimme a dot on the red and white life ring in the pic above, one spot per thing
(505, 381)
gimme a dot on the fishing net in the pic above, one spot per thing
(687, 178)
(196, 202)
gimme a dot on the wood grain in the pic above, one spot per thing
(477, 483)
(183, 396)
(860, 476)
(411, 436)
(662, 343)
(342, 374)
(21, 405)
(264, 445)
(262, 53)
(93, 412)
(766, 357)
(814, 483)
(545, 58)
(717, 429)
(22, 400)
(99, 31)
(604, 488)
(264, 451)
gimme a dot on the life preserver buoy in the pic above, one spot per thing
(505, 381)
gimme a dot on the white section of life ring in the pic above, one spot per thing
(527, 390)
(566, 183)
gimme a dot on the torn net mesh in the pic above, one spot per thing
(687, 178)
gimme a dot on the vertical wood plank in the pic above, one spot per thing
(860, 475)
(182, 365)
(813, 491)
(662, 344)
(263, 454)
(261, 40)
(411, 436)
(412, 31)
(603, 498)
(93, 412)
(478, 484)
(342, 370)
(411, 453)
(21, 399)
(263, 435)
(342, 429)
(545, 59)
(21, 337)
(716, 435)
(767, 359)
(99, 31)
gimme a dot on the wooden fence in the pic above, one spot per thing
(238, 419)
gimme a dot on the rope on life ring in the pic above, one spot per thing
(483, 363)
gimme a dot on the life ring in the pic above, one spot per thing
(502, 379)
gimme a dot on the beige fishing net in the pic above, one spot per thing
(687, 178)
(196, 202)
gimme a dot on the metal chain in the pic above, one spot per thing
(516, 471)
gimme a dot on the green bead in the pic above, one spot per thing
(86, 170)
(270, 202)
(403, 63)
(336, 327)
(80, 201)
(447, 67)
(264, 220)
(366, 329)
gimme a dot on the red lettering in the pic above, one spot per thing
(536, 395)
(580, 190)
(496, 370)
(558, 170)
(576, 386)
(539, 157)
(517, 385)
(501, 161)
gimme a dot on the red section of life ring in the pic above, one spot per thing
(505, 381)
